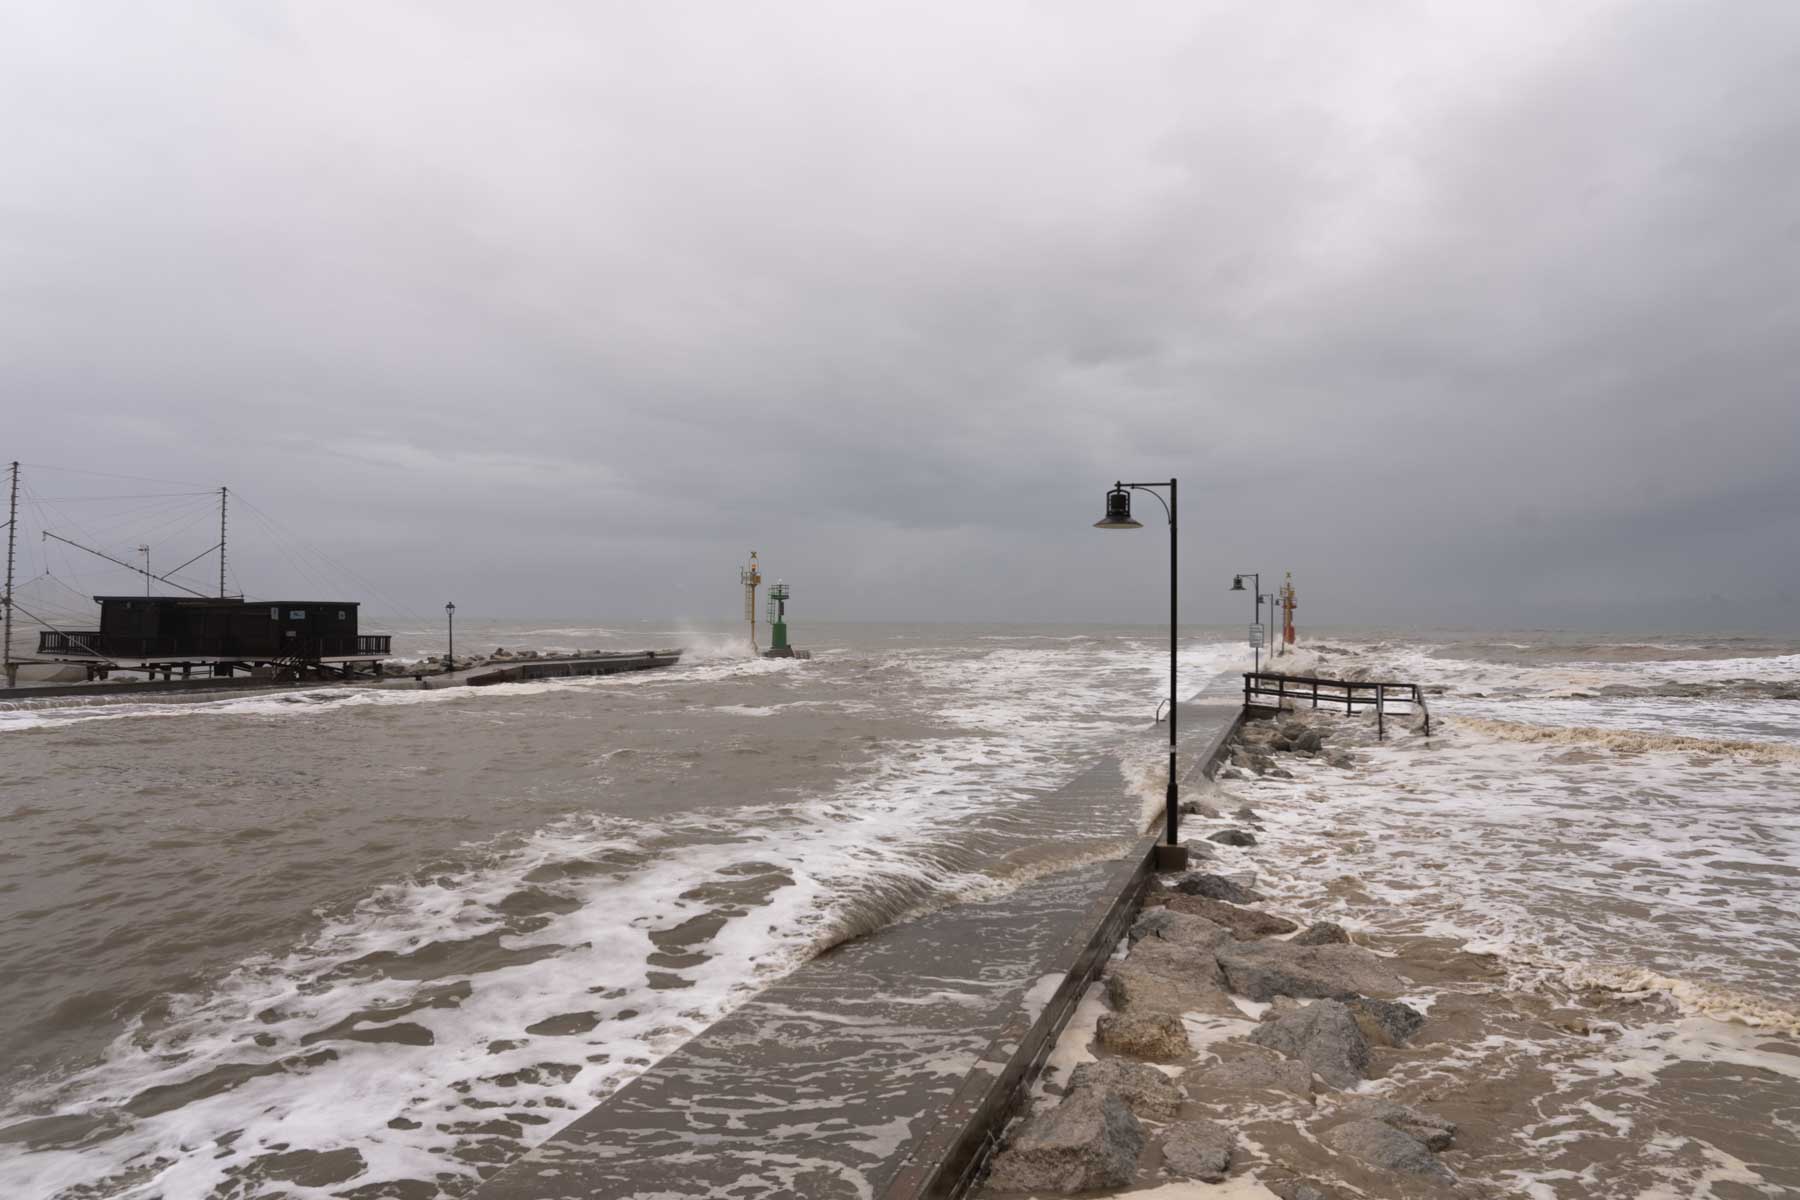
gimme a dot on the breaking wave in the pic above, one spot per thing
(1627, 741)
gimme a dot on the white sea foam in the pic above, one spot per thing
(1633, 845)
(1026, 718)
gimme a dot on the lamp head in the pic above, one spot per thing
(1237, 583)
(450, 607)
(1118, 511)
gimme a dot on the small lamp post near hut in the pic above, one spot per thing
(1172, 855)
(1256, 625)
(450, 622)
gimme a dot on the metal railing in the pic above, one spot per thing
(1351, 693)
(53, 641)
(94, 644)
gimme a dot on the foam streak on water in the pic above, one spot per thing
(444, 1022)
(1616, 825)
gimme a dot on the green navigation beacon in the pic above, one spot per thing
(778, 639)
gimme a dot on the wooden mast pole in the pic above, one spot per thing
(12, 540)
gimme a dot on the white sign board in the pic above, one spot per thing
(1256, 636)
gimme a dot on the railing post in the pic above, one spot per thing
(1380, 715)
(1246, 689)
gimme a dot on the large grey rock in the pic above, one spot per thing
(1386, 1022)
(1150, 922)
(1196, 965)
(1134, 987)
(1264, 970)
(1296, 1189)
(1198, 1150)
(1154, 1034)
(1193, 931)
(1321, 933)
(1324, 1036)
(1089, 1141)
(1381, 1145)
(1434, 1131)
(1215, 887)
(1146, 1091)
(1179, 981)
(1247, 924)
(1309, 741)
(1253, 1070)
(1233, 837)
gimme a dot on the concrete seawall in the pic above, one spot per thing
(949, 1158)
(888, 1066)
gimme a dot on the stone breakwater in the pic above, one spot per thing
(1235, 1047)
(1213, 1001)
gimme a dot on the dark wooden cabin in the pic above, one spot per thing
(226, 632)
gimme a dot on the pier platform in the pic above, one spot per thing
(888, 1066)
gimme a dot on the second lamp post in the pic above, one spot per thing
(1237, 585)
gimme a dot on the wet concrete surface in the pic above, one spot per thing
(828, 1083)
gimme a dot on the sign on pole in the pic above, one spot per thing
(1256, 636)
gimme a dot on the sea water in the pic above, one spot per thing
(322, 940)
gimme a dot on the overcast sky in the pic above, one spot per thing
(1464, 314)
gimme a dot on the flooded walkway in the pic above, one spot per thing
(873, 1069)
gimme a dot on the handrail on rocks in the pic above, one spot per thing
(1376, 694)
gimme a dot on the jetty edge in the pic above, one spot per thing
(611, 663)
(831, 1082)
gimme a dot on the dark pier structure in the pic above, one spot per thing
(588, 664)
(282, 639)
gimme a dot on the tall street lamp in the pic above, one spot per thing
(1237, 585)
(450, 621)
(1171, 856)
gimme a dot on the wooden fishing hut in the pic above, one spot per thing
(293, 639)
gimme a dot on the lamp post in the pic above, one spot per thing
(450, 621)
(1237, 585)
(1171, 855)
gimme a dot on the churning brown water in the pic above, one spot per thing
(343, 942)
(310, 941)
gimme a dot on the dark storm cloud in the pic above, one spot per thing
(1461, 313)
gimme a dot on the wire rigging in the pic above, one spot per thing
(164, 513)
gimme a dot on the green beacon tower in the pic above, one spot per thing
(778, 636)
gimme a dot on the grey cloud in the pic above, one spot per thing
(1464, 315)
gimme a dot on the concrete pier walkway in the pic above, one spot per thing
(883, 1068)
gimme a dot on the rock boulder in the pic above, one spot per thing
(1146, 1091)
(1250, 1069)
(1381, 1145)
(1324, 1036)
(1089, 1141)
(1386, 1022)
(1198, 1150)
(1264, 970)
(1246, 924)
(1157, 1035)
(1215, 887)
(1434, 1131)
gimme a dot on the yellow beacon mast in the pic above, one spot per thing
(1288, 605)
(752, 579)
